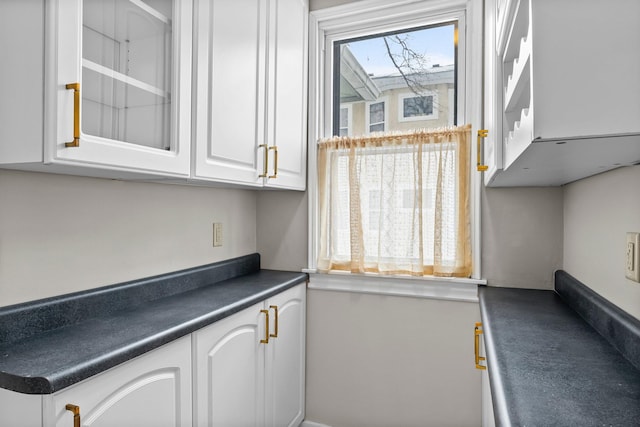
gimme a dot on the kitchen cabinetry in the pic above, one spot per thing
(151, 390)
(116, 78)
(566, 104)
(488, 419)
(251, 98)
(250, 366)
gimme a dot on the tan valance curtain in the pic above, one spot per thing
(396, 203)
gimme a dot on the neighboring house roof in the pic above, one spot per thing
(355, 83)
(432, 76)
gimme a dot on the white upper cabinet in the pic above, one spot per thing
(287, 100)
(566, 88)
(251, 81)
(116, 78)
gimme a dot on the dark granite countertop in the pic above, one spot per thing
(549, 367)
(84, 344)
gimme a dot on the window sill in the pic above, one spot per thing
(444, 288)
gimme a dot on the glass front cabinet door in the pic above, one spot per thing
(120, 84)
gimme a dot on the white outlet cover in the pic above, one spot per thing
(217, 234)
(632, 253)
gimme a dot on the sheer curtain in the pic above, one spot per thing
(396, 203)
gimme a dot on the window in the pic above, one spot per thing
(397, 141)
(418, 107)
(376, 117)
(345, 120)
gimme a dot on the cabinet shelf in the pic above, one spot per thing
(145, 95)
(151, 11)
(124, 21)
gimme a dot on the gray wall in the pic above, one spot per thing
(381, 361)
(61, 234)
(521, 236)
(598, 212)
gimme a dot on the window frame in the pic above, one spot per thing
(369, 17)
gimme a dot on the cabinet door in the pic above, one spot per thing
(152, 390)
(131, 61)
(287, 103)
(286, 359)
(230, 49)
(229, 371)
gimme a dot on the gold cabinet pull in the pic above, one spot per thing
(275, 161)
(266, 327)
(76, 115)
(265, 164)
(476, 335)
(275, 309)
(76, 413)
(482, 133)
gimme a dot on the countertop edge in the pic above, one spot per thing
(499, 401)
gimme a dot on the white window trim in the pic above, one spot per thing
(349, 108)
(432, 116)
(356, 19)
(367, 114)
(443, 288)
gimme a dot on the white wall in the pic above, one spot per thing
(381, 361)
(60, 234)
(598, 212)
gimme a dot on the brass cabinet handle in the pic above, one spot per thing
(266, 327)
(275, 161)
(265, 164)
(482, 133)
(476, 334)
(76, 115)
(275, 309)
(76, 413)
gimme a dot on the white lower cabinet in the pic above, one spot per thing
(249, 367)
(152, 390)
(243, 371)
(488, 418)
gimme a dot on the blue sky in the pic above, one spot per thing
(435, 43)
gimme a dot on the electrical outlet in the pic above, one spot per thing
(632, 270)
(217, 234)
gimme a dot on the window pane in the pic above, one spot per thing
(408, 73)
(418, 106)
(376, 113)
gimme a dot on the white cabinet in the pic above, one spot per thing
(249, 367)
(488, 419)
(567, 90)
(250, 107)
(151, 390)
(116, 79)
